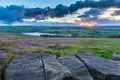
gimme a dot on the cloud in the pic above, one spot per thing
(108, 14)
(116, 13)
(101, 16)
(83, 16)
(16, 13)
(11, 13)
(93, 12)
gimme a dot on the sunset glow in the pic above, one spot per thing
(88, 24)
(77, 12)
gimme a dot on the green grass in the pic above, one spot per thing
(101, 47)
(64, 31)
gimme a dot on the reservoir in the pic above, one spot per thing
(38, 34)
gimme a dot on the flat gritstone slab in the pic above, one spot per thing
(37, 67)
(100, 68)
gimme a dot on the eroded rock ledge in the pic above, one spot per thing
(3, 64)
(101, 69)
(69, 67)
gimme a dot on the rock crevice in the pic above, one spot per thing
(3, 64)
(36, 67)
(101, 69)
(68, 67)
(78, 69)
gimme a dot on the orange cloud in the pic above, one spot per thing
(108, 14)
(88, 24)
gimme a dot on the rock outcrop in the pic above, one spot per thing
(37, 67)
(116, 57)
(54, 70)
(26, 67)
(101, 69)
(69, 67)
(3, 63)
(78, 69)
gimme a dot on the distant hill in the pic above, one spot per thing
(108, 27)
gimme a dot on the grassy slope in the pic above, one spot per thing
(103, 48)
(60, 46)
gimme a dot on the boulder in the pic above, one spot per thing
(3, 63)
(55, 70)
(25, 67)
(78, 69)
(101, 69)
(37, 67)
(116, 57)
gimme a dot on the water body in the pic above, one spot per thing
(38, 34)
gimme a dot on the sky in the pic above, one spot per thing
(37, 3)
(79, 12)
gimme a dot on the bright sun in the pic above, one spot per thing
(88, 24)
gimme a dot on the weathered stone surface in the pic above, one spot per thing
(116, 57)
(37, 67)
(101, 69)
(26, 67)
(3, 63)
(69, 67)
(54, 70)
(76, 67)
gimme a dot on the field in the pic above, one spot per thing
(81, 32)
(59, 46)
(102, 42)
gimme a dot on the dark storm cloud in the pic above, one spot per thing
(91, 15)
(116, 13)
(92, 12)
(11, 13)
(18, 13)
(83, 16)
